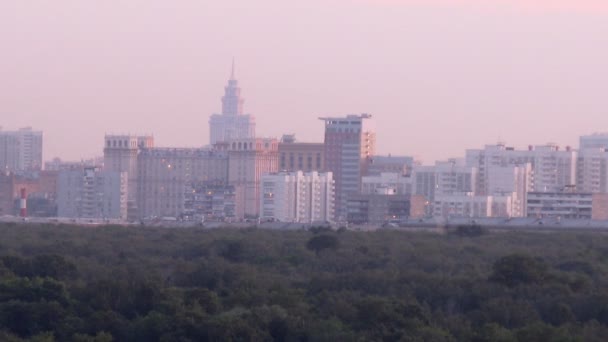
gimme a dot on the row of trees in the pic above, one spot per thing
(161, 284)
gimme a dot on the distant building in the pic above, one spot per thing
(92, 193)
(553, 168)
(59, 165)
(232, 123)
(593, 141)
(164, 174)
(466, 205)
(447, 178)
(563, 204)
(592, 170)
(298, 156)
(400, 183)
(211, 201)
(381, 208)
(41, 191)
(391, 164)
(509, 183)
(350, 143)
(120, 155)
(248, 160)
(20, 150)
(298, 196)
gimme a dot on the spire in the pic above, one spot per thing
(232, 72)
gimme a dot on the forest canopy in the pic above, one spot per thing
(68, 283)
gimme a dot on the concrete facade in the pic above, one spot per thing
(298, 156)
(92, 193)
(20, 150)
(248, 160)
(380, 208)
(164, 174)
(350, 143)
(298, 196)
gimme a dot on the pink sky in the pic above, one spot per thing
(534, 5)
(439, 76)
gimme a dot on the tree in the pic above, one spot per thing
(516, 269)
(319, 243)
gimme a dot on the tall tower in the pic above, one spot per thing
(350, 143)
(232, 123)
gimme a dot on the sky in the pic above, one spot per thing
(438, 76)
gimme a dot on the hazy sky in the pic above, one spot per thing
(439, 76)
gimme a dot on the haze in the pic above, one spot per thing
(439, 76)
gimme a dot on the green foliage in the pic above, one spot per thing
(152, 284)
(472, 230)
(516, 269)
(322, 242)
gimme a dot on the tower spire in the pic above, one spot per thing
(232, 72)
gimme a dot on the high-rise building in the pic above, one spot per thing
(248, 160)
(509, 183)
(592, 170)
(297, 196)
(445, 178)
(553, 169)
(394, 180)
(349, 146)
(393, 164)
(92, 193)
(592, 164)
(120, 155)
(164, 175)
(595, 140)
(232, 123)
(300, 156)
(20, 150)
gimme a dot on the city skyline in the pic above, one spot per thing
(439, 78)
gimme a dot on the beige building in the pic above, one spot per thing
(380, 208)
(298, 156)
(350, 144)
(248, 160)
(165, 173)
(120, 155)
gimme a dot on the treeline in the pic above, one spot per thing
(63, 283)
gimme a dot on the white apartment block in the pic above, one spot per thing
(593, 141)
(592, 172)
(509, 183)
(298, 196)
(450, 177)
(91, 193)
(567, 205)
(592, 164)
(462, 206)
(402, 184)
(20, 150)
(553, 169)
